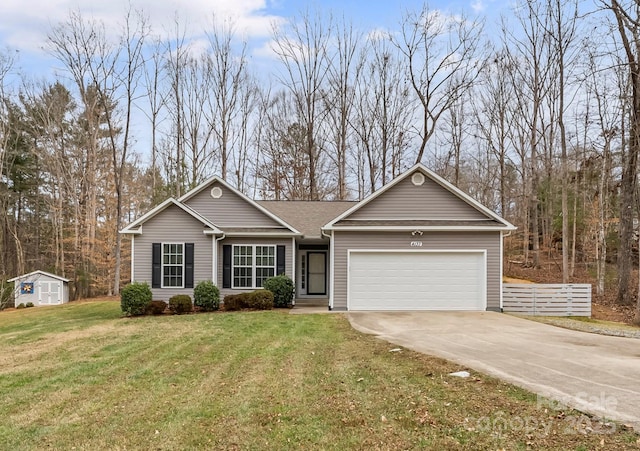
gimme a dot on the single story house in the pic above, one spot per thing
(418, 243)
(40, 288)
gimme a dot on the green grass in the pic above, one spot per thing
(80, 376)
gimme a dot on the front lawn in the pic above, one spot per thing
(80, 376)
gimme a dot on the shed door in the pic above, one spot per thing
(50, 293)
(417, 280)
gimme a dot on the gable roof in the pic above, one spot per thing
(216, 179)
(134, 227)
(307, 216)
(498, 223)
(38, 272)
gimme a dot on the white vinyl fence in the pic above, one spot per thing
(547, 299)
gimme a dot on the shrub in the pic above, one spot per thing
(21, 305)
(282, 288)
(206, 296)
(156, 308)
(258, 300)
(134, 298)
(233, 302)
(29, 304)
(180, 303)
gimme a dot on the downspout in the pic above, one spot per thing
(294, 269)
(215, 255)
(503, 235)
(322, 232)
(133, 259)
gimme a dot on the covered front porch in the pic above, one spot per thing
(312, 270)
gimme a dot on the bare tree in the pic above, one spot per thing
(443, 59)
(301, 47)
(125, 83)
(563, 34)
(494, 116)
(453, 138)
(382, 115)
(153, 82)
(78, 43)
(197, 131)
(627, 18)
(530, 56)
(339, 99)
(227, 70)
(607, 121)
(177, 58)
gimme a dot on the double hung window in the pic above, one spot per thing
(252, 265)
(172, 265)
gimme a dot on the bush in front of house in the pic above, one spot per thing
(29, 304)
(180, 303)
(134, 298)
(20, 306)
(256, 300)
(232, 302)
(206, 296)
(282, 288)
(260, 300)
(156, 308)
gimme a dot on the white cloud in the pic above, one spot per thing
(25, 28)
(478, 6)
(378, 34)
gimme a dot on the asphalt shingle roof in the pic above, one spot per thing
(307, 216)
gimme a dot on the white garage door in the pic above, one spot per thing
(417, 280)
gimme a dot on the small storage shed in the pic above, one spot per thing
(41, 288)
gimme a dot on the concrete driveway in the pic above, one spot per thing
(593, 373)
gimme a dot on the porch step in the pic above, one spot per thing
(312, 302)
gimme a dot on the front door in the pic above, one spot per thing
(316, 273)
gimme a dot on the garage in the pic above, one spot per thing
(417, 280)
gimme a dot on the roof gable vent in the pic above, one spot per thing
(216, 192)
(417, 179)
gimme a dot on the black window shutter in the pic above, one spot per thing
(156, 266)
(280, 257)
(226, 266)
(188, 265)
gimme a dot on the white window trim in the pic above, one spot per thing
(253, 264)
(162, 265)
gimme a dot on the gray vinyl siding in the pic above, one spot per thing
(407, 201)
(24, 298)
(230, 210)
(255, 241)
(489, 241)
(173, 225)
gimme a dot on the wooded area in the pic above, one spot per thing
(537, 117)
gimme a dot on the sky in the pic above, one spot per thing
(24, 23)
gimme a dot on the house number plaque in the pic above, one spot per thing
(416, 244)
